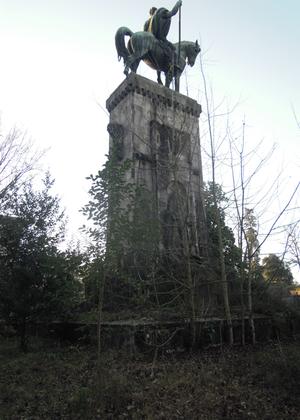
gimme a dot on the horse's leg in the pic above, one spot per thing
(159, 78)
(135, 64)
(126, 69)
(177, 79)
(129, 63)
(132, 64)
(169, 77)
(168, 81)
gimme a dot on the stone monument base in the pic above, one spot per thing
(157, 130)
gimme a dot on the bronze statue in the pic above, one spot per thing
(148, 23)
(159, 24)
(153, 47)
(160, 21)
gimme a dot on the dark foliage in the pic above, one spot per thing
(37, 280)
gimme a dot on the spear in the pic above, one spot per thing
(179, 42)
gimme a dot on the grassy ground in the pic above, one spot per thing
(52, 382)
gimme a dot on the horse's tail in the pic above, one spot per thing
(120, 42)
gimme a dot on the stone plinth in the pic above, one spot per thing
(158, 130)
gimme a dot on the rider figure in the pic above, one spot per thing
(159, 25)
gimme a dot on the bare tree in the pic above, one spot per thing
(229, 151)
(213, 151)
(247, 227)
(18, 160)
(292, 245)
(250, 198)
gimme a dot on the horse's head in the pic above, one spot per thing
(193, 51)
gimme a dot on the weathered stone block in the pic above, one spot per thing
(160, 134)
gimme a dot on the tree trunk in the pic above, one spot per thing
(243, 341)
(99, 320)
(250, 309)
(224, 278)
(23, 336)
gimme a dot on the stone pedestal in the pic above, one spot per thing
(158, 130)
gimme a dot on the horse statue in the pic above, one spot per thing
(144, 46)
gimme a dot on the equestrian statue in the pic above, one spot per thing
(152, 46)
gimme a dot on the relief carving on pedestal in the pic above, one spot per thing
(117, 133)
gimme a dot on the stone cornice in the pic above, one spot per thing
(157, 93)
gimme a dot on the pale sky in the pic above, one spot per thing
(59, 65)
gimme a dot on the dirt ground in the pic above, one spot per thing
(65, 382)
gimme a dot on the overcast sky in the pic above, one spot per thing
(59, 65)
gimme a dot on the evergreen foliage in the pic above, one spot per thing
(124, 235)
(276, 271)
(38, 281)
(232, 253)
